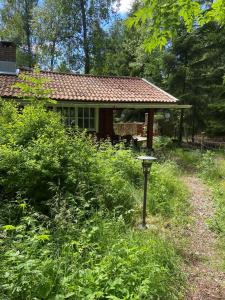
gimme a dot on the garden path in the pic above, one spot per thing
(205, 279)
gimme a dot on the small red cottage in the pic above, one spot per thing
(88, 101)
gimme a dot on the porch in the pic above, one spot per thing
(99, 119)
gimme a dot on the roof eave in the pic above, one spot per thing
(115, 105)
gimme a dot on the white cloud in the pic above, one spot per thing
(125, 6)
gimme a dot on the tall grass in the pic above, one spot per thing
(67, 215)
(102, 259)
(167, 192)
(212, 170)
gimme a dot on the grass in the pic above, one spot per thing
(210, 167)
(100, 257)
(68, 212)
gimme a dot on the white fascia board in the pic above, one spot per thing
(139, 105)
(124, 105)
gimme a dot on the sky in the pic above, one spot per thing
(125, 5)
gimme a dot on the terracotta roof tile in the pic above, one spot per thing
(91, 88)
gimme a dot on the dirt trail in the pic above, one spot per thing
(206, 280)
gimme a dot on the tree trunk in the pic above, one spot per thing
(85, 38)
(52, 56)
(27, 29)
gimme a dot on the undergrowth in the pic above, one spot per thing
(67, 215)
(210, 167)
(212, 170)
(100, 259)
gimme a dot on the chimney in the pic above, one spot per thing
(7, 58)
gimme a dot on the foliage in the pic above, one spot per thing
(52, 27)
(211, 167)
(67, 206)
(217, 223)
(194, 68)
(162, 142)
(76, 244)
(35, 145)
(212, 170)
(160, 20)
(16, 19)
(32, 88)
(100, 260)
(167, 193)
(186, 159)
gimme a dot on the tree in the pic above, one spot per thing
(91, 20)
(160, 19)
(52, 29)
(32, 88)
(195, 65)
(16, 24)
(58, 33)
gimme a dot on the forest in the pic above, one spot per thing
(70, 204)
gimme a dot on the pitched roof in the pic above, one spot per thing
(90, 88)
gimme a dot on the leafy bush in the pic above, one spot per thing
(212, 167)
(71, 241)
(103, 259)
(37, 157)
(162, 142)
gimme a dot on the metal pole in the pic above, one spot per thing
(145, 196)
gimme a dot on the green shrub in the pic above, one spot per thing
(65, 206)
(103, 259)
(212, 167)
(162, 142)
(38, 154)
(37, 157)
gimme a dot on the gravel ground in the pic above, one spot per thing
(206, 280)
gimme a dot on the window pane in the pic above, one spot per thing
(92, 112)
(72, 112)
(92, 123)
(86, 112)
(59, 110)
(80, 123)
(67, 121)
(86, 123)
(72, 122)
(66, 111)
(80, 112)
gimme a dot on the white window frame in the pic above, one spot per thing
(76, 116)
(86, 115)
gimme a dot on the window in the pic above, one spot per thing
(86, 118)
(82, 117)
(68, 114)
